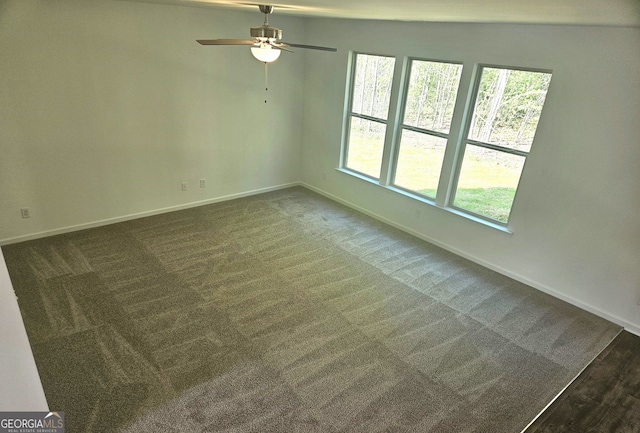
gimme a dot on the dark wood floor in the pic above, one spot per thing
(604, 398)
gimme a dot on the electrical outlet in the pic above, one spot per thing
(203, 183)
(184, 186)
(25, 212)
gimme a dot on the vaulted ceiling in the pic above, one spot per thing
(572, 12)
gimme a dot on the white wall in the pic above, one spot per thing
(575, 220)
(106, 107)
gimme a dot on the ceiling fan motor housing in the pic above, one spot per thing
(266, 32)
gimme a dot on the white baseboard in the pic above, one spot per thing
(631, 327)
(108, 221)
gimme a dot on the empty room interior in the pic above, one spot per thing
(424, 218)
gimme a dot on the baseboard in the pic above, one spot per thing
(633, 328)
(108, 221)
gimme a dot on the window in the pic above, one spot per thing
(507, 109)
(431, 95)
(371, 91)
(465, 158)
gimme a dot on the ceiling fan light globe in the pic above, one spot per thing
(266, 53)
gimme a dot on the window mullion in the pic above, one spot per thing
(425, 131)
(457, 134)
(498, 148)
(366, 117)
(393, 121)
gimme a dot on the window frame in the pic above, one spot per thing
(349, 114)
(457, 138)
(465, 141)
(401, 126)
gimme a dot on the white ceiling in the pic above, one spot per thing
(573, 12)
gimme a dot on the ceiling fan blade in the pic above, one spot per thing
(226, 41)
(310, 47)
(280, 46)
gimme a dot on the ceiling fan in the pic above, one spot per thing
(266, 45)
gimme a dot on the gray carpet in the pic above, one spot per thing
(286, 312)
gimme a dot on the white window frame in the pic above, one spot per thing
(401, 126)
(457, 138)
(349, 114)
(465, 141)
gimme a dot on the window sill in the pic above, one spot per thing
(482, 221)
(409, 194)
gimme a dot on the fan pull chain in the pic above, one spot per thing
(266, 82)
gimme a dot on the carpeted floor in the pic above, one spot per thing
(286, 312)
